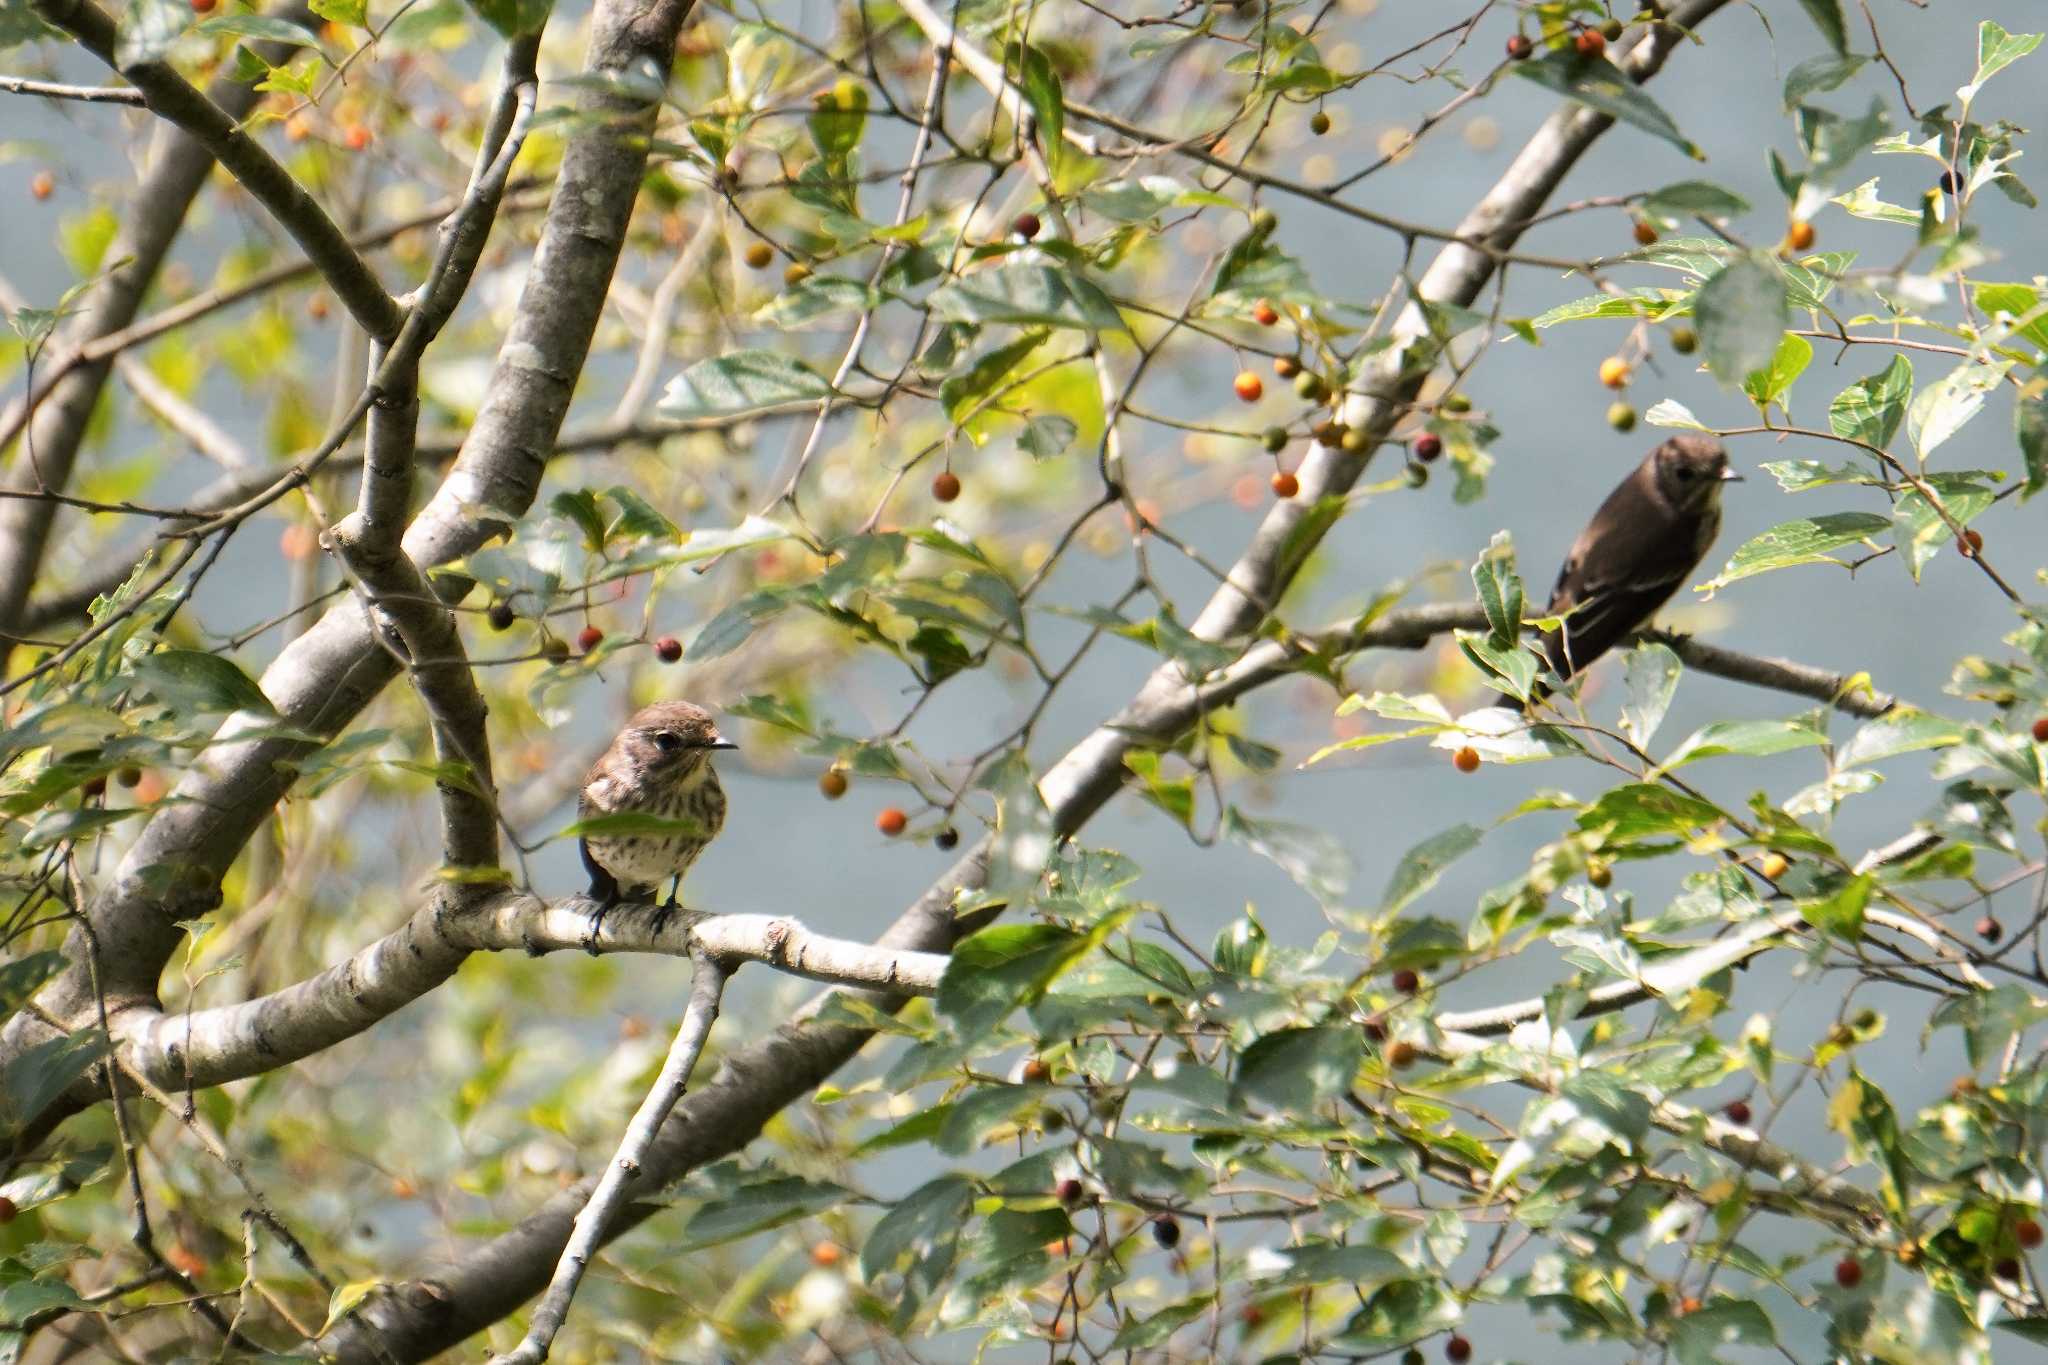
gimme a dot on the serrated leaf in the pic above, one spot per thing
(191, 680)
(1601, 86)
(1748, 738)
(744, 381)
(1421, 866)
(1742, 312)
(1500, 589)
(1028, 294)
(1805, 541)
(1771, 383)
(1941, 409)
(1996, 50)
(1871, 409)
(1669, 412)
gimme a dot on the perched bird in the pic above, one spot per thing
(1646, 539)
(659, 765)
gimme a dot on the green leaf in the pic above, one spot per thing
(731, 628)
(925, 1226)
(1827, 17)
(580, 506)
(992, 972)
(744, 381)
(963, 392)
(39, 1074)
(1602, 87)
(22, 977)
(1805, 541)
(257, 26)
(1832, 143)
(1900, 731)
(513, 18)
(982, 1111)
(1421, 866)
(1696, 197)
(835, 127)
(1318, 862)
(1703, 1336)
(1364, 1267)
(1029, 294)
(637, 518)
(1669, 412)
(1142, 1333)
(190, 680)
(1651, 679)
(625, 824)
(1818, 74)
(1641, 303)
(758, 1206)
(1042, 88)
(1988, 1018)
(1500, 589)
(1742, 313)
(1751, 738)
(1871, 409)
(1919, 531)
(1840, 914)
(816, 298)
(2030, 427)
(1996, 50)
(1771, 383)
(1047, 435)
(349, 13)
(1862, 202)
(1296, 1069)
(1940, 410)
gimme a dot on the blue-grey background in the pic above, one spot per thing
(786, 851)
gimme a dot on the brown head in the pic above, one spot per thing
(1686, 472)
(667, 740)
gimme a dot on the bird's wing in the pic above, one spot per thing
(1602, 613)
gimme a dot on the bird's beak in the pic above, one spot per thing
(1728, 474)
(720, 743)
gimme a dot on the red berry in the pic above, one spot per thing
(1519, 47)
(42, 184)
(1970, 544)
(892, 821)
(1071, 1191)
(1848, 1273)
(95, 787)
(2027, 1233)
(588, 639)
(1248, 385)
(1026, 225)
(203, 6)
(1166, 1230)
(1646, 235)
(1407, 981)
(2041, 730)
(356, 136)
(1036, 1072)
(668, 649)
(1590, 42)
(1265, 314)
(1738, 1112)
(946, 486)
(1285, 485)
(1990, 930)
(8, 1208)
(1466, 760)
(1376, 1030)
(1428, 446)
(1457, 1348)
(2007, 1269)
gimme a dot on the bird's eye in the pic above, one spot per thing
(1685, 471)
(668, 741)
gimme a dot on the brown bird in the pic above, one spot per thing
(1645, 541)
(659, 765)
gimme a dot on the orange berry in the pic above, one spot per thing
(832, 784)
(185, 1260)
(2027, 1233)
(1286, 366)
(297, 128)
(1686, 1307)
(1285, 485)
(1590, 42)
(1969, 544)
(1401, 1054)
(1800, 235)
(1774, 866)
(297, 541)
(317, 306)
(1645, 234)
(946, 486)
(356, 136)
(1265, 314)
(892, 821)
(759, 255)
(588, 639)
(1249, 386)
(403, 1187)
(1466, 760)
(42, 184)
(1036, 1072)
(825, 1253)
(795, 273)
(1615, 373)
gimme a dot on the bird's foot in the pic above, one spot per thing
(597, 922)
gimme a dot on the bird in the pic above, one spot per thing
(1647, 538)
(659, 764)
